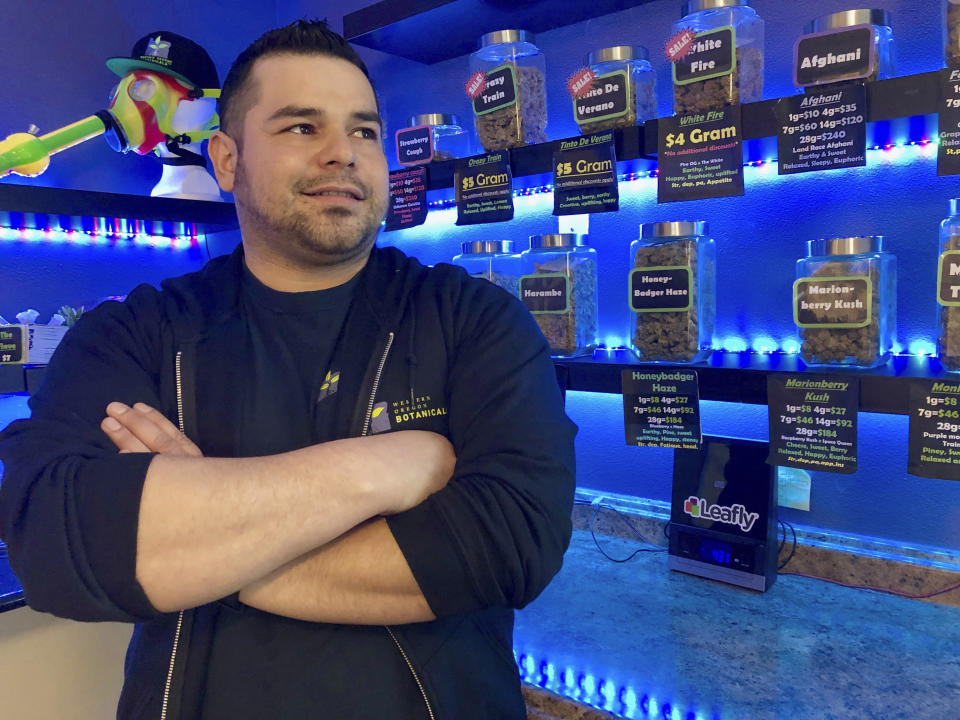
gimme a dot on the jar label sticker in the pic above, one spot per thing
(474, 86)
(408, 199)
(813, 421)
(836, 302)
(822, 129)
(581, 82)
(545, 292)
(500, 91)
(415, 145)
(607, 99)
(11, 344)
(679, 45)
(835, 55)
(712, 55)
(660, 289)
(934, 438)
(948, 278)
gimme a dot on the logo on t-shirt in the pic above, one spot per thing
(330, 384)
(379, 419)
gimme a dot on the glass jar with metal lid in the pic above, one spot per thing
(432, 137)
(492, 260)
(725, 65)
(511, 109)
(672, 285)
(559, 286)
(948, 290)
(846, 56)
(951, 33)
(844, 301)
(622, 93)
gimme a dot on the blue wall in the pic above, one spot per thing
(60, 77)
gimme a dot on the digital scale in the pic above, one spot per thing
(723, 515)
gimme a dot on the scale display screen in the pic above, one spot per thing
(716, 552)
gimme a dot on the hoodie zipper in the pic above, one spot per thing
(376, 385)
(176, 634)
(366, 428)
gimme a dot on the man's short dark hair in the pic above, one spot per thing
(302, 37)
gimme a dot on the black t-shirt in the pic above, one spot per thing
(292, 337)
(264, 665)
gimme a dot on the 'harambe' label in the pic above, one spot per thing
(545, 292)
(842, 302)
(834, 55)
(660, 289)
(712, 54)
(500, 91)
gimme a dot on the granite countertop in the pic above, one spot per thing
(635, 637)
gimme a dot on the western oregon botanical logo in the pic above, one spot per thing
(379, 419)
(330, 384)
(698, 507)
(158, 47)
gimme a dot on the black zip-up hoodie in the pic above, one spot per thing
(422, 348)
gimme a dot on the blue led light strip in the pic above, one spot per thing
(104, 237)
(602, 693)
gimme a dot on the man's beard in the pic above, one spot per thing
(312, 237)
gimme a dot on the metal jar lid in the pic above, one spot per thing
(488, 247)
(695, 6)
(618, 52)
(558, 240)
(845, 245)
(505, 36)
(434, 119)
(954, 205)
(682, 228)
(847, 18)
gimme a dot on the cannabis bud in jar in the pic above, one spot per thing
(622, 92)
(432, 137)
(948, 290)
(843, 46)
(844, 301)
(673, 292)
(559, 287)
(510, 109)
(492, 260)
(725, 63)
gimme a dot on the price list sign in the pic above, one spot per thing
(934, 449)
(822, 130)
(484, 186)
(11, 344)
(661, 408)
(948, 152)
(700, 155)
(408, 199)
(585, 176)
(813, 422)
